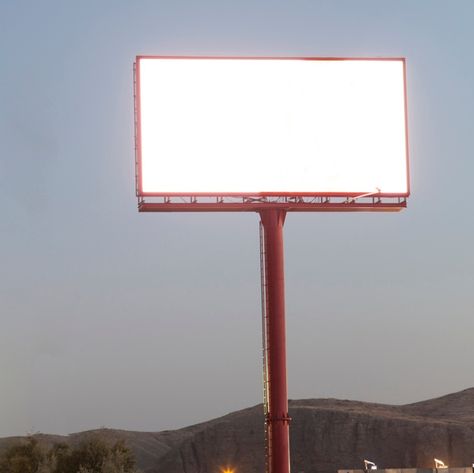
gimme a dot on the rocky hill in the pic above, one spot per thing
(326, 435)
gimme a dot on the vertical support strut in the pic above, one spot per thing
(278, 419)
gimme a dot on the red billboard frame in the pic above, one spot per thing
(256, 202)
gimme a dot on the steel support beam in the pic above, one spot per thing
(278, 419)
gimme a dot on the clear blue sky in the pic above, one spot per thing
(149, 322)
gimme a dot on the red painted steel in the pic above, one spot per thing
(289, 58)
(259, 207)
(278, 419)
(138, 131)
(407, 150)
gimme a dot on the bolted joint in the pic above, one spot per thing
(285, 419)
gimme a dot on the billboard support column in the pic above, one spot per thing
(278, 419)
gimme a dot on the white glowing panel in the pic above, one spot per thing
(271, 126)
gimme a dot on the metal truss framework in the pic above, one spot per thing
(355, 203)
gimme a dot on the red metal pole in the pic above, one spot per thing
(278, 419)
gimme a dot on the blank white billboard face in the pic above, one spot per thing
(271, 126)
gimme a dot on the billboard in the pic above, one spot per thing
(271, 127)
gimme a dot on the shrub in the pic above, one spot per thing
(91, 456)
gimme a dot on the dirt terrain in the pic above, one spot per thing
(326, 435)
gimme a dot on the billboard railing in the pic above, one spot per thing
(372, 203)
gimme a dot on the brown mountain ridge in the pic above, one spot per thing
(326, 435)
